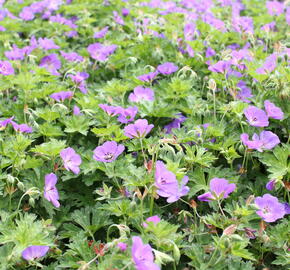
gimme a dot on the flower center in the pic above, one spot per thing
(108, 156)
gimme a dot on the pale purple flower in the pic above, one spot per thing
(22, 128)
(141, 93)
(15, 53)
(34, 252)
(72, 56)
(256, 117)
(220, 188)
(270, 209)
(138, 130)
(268, 27)
(79, 79)
(50, 190)
(26, 14)
(108, 152)
(110, 110)
(71, 34)
(188, 31)
(127, 115)
(244, 93)
(167, 184)
(243, 24)
(5, 122)
(153, 219)
(6, 68)
(71, 160)
(76, 110)
(47, 44)
(273, 111)
(51, 63)
(209, 52)
(271, 184)
(62, 96)
(287, 208)
(148, 77)
(269, 64)
(101, 52)
(125, 12)
(167, 68)
(266, 141)
(117, 18)
(142, 255)
(102, 33)
(176, 123)
(220, 67)
(275, 7)
(122, 246)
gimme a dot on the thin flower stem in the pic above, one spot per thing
(126, 266)
(151, 204)
(145, 162)
(220, 207)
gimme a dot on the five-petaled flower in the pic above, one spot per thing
(270, 209)
(34, 252)
(50, 190)
(71, 160)
(108, 152)
(139, 129)
(256, 117)
(167, 184)
(220, 188)
(142, 255)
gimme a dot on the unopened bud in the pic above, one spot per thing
(212, 84)
(230, 229)
(31, 201)
(21, 186)
(10, 179)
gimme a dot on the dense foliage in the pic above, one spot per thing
(144, 135)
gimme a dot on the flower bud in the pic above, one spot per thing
(212, 84)
(10, 179)
(31, 201)
(21, 186)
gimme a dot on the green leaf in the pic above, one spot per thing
(77, 123)
(51, 148)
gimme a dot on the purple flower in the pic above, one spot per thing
(167, 184)
(220, 189)
(287, 208)
(79, 80)
(141, 93)
(62, 96)
(273, 111)
(269, 208)
(256, 117)
(269, 64)
(110, 110)
(34, 252)
(5, 122)
(72, 56)
(167, 68)
(176, 123)
(188, 31)
(6, 68)
(153, 219)
(142, 255)
(51, 63)
(125, 12)
(244, 93)
(108, 152)
(117, 18)
(209, 52)
(127, 115)
(266, 141)
(268, 27)
(47, 44)
(243, 24)
(26, 14)
(71, 160)
(275, 8)
(76, 110)
(122, 246)
(138, 130)
(148, 77)
(101, 33)
(220, 67)
(15, 53)
(23, 128)
(101, 52)
(50, 190)
(271, 184)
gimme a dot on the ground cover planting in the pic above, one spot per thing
(145, 135)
